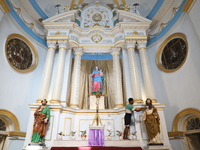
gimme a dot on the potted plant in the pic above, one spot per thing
(72, 133)
(109, 134)
(119, 134)
(83, 134)
(134, 136)
(60, 135)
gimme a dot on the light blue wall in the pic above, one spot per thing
(18, 89)
(179, 90)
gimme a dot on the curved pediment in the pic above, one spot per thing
(97, 15)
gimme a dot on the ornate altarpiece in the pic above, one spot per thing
(95, 28)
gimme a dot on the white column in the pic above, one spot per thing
(148, 84)
(134, 75)
(46, 79)
(57, 86)
(117, 78)
(74, 100)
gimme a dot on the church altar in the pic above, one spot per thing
(99, 29)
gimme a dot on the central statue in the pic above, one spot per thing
(97, 77)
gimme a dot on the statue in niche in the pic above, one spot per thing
(97, 77)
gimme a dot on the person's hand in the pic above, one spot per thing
(40, 109)
(45, 120)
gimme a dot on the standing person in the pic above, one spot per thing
(127, 118)
(41, 118)
(152, 122)
(97, 77)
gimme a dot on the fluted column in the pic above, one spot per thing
(134, 75)
(74, 100)
(46, 79)
(57, 86)
(117, 78)
(148, 84)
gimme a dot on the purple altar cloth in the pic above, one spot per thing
(96, 137)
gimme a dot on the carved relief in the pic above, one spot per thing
(96, 15)
(96, 38)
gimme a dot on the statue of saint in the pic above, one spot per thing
(97, 77)
(41, 118)
(152, 122)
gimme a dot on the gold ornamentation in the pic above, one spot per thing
(58, 33)
(96, 38)
(135, 33)
(97, 17)
(180, 115)
(67, 8)
(12, 117)
(20, 53)
(188, 6)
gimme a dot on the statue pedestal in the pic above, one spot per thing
(157, 148)
(93, 101)
(35, 148)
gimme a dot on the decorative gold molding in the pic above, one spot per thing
(160, 50)
(188, 5)
(162, 25)
(72, 4)
(138, 101)
(65, 125)
(57, 39)
(4, 6)
(182, 114)
(176, 133)
(33, 50)
(12, 117)
(18, 134)
(142, 48)
(137, 39)
(116, 2)
(119, 105)
(80, 2)
(54, 101)
(124, 2)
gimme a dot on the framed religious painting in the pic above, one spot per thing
(172, 53)
(20, 53)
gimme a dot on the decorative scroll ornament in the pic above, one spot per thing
(97, 17)
(78, 51)
(141, 44)
(130, 44)
(115, 50)
(96, 38)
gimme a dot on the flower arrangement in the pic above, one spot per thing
(109, 132)
(72, 133)
(134, 133)
(83, 133)
(119, 133)
(61, 134)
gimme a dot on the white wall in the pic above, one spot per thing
(18, 89)
(195, 18)
(180, 89)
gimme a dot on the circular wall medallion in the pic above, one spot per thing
(96, 38)
(20, 53)
(172, 53)
(97, 17)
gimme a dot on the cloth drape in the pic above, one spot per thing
(87, 67)
(96, 137)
